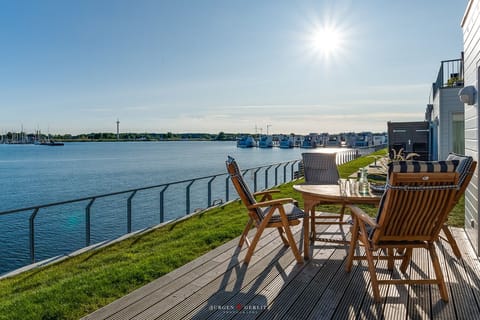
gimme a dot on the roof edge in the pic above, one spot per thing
(467, 11)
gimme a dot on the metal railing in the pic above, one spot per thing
(273, 175)
(267, 171)
(450, 74)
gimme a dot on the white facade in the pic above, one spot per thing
(447, 108)
(471, 43)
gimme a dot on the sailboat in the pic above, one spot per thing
(50, 142)
(47, 142)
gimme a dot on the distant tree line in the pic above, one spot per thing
(109, 136)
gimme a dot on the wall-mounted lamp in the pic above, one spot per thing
(467, 95)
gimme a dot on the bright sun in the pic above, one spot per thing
(327, 41)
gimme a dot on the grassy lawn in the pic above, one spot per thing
(78, 286)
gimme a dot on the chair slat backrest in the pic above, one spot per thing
(466, 169)
(242, 188)
(320, 168)
(417, 201)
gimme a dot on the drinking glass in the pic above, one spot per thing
(343, 185)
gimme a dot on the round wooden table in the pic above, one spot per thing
(314, 195)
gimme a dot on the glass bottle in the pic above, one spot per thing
(363, 182)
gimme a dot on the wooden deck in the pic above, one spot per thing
(273, 286)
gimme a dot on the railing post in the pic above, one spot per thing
(266, 177)
(32, 234)
(187, 196)
(87, 222)
(276, 174)
(285, 172)
(129, 212)
(227, 189)
(162, 207)
(209, 201)
(255, 179)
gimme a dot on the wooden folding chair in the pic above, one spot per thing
(321, 168)
(267, 213)
(465, 169)
(417, 200)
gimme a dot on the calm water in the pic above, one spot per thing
(32, 175)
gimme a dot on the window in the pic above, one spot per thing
(458, 133)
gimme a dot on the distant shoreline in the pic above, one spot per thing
(349, 138)
(147, 140)
(124, 140)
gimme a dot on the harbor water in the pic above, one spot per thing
(34, 175)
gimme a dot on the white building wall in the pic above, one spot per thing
(449, 104)
(471, 42)
(445, 104)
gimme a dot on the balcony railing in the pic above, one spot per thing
(449, 75)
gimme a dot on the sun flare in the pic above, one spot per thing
(327, 40)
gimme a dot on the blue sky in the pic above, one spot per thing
(210, 66)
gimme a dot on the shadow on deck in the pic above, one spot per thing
(273, 286)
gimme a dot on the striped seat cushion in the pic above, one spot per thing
(412, 167)
(465, 163)
(423, 166)
(291, 210)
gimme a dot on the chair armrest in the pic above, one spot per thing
(362, 216)
(269, 203)
(259, 193)
(266, 194)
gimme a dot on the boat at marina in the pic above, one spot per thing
(51, 143)
(361, 140)
(309, 142)
(333, 141)
(48, 142)
(265, 142)
(246, 142)
(286, 142)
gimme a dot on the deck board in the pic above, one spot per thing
(273, 286)
(460, 286)
(440, 309)
(418, 296)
